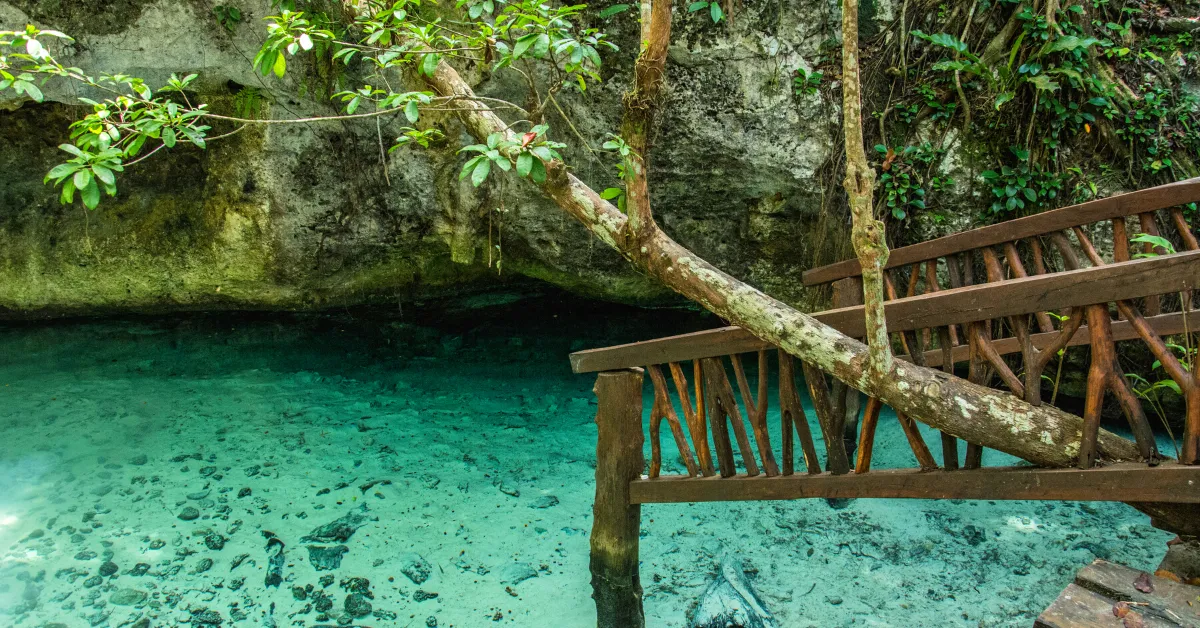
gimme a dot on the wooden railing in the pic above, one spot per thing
(1036, 297)
(1034, 301)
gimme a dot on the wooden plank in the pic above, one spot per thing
(694, 346)
(1164, 274)
(1168, 601)
(1147, 200)
(1076, 607)
(1163, 325)
(1040, 293)
(1126, 482)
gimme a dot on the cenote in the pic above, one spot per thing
(185, 470)
(704, 314)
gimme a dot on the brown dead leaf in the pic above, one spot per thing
(1168, 575)
(1143, 583)
(1133, 620)
(1120, 609)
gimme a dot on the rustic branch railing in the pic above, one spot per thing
(1008, 313)
(1045, 287)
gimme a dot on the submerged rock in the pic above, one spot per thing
(127, 597)
(415, 567)
(339, 530)
(517, 573)
(326, 558)
(730, 602)
(189, 514)
(545, 501)
(357, 605)
(275, 559)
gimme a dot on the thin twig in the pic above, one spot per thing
(144, 157)
(382, 153)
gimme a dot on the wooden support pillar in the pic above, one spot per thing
(616, 584)
(846, 401)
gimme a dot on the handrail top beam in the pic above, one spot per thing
(1039, 293)
(1140, 201)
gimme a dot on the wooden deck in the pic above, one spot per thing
(1108, 595)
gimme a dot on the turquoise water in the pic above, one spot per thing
(163, 472)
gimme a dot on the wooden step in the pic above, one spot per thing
(1089, 602)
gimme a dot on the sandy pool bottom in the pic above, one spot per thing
(159, 474)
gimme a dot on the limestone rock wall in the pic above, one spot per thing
(304, 217)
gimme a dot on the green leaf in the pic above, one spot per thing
(696, 6)
(306, 42)
(83, 178)
(524, 164)
(196, 138)
(1170, 384)
(613, 10)
(429, 64)
(1069, 43)
(34, 48)
(468, 167)
(68, 193)
(1157, 241)
(104, 174)
(481, 171)
(610, 193)
(541, 45)
(33, 92)
(60, 171)
(280, 65)
(90, 195)
(523, 44)
(168, 137)
(1030, 194)
(538, 172)
(944, 40)
(714, 9)
(1002, 98)
(1043, 82)
(135, 146)
(543, 152)
(412, 111)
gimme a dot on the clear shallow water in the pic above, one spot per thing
(464, 441)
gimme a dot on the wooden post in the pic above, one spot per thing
(616, 585)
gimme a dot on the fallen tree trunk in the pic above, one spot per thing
(1043, 435)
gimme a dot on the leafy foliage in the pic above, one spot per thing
(902, 184)
(1021, 185)
(530, 154)
(227, 16)
(807, 82)
(1084, 84)
(713, 6)
(393, 37)
(117, 127)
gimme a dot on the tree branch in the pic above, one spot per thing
(1043, 435)
(867, 233)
